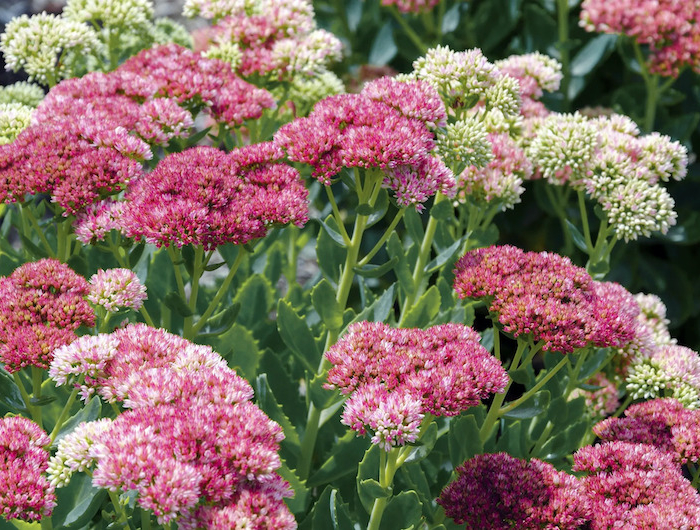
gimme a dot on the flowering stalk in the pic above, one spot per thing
(563, 46)
(410, 32)
(654, 90)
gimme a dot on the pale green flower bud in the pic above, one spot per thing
(306, 91)
(646, 380)
(22, 92)
(504, 95)
(229, 52)
(464, 143)
(38, 43)
(132, 14)
(14, 118)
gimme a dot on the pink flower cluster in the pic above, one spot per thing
(25, 492)
(669, 27)
(191, 78)
(41, 305)
(545, 296)
(116, 288)
(663, 423)
(601, 402)
(191, 443)
(499, 492)
(94, 222)
(630, 485)
(396, 376)
(204, 196)
(387, 126)
(412, 6)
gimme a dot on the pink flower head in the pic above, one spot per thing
(176, 457)
(25, 492)
(668, 27)
(444, 367)
(116, 288)
(631, 485)
(197, 81)
(501, 179)
(414, 99)
(204, 196)
(499, 491)
(601, 402)
(255, 506)
(414, 184)
(544, 295)
(663, 423)
(412, 6)
(95, 221)
(162, 119)
(41, 305)
(534, 71)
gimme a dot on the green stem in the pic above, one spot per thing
(623, 406)
(119, 509)
(63, 234)
(695, 473)
(338, 217)
(584, 222)
(197, 269)
(26, 209)
(23, 391)
(418, 270)
(66, 409)
(387, 470)
(382, 240)
(37, 379)
(564, 42)
(242, 252)
(145, 520)
(313, 418)
(527, 395)
(575, 371)
(146, 316)
(410, 32)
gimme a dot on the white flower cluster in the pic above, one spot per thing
(131, 14)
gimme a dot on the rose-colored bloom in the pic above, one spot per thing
(631, 485)
(116, 288)
(544, 295)
(257, 507)
(668, 27)
(412, 6)
(534, 71)
(601, 402)
(499, 491)
(41, 305)
(191, 78)
(95, 221)
(397, 376)
(25, 492)
(663, 423)
(204, 196)
(176, 456)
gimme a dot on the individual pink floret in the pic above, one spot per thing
(499, 492)
(116, 288)
(25, 491)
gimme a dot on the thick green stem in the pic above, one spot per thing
(410, 32)
(37, 379)
(387, 470)
(584, 222)
(527, 395)
(197, 270)
(66, 409)
(176, 259)
(390, 230)
(219, 293)
(25, 395)
(119, 509)
(63, 234)
(26, 210)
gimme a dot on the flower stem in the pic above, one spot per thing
(37, 379)
(387, 470)
(564, 42)
(410, 32)
(527, 395)
(66, 409)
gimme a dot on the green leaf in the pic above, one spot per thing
(595, 363)
(41, 401)
(424, 309)
(174, 301)
(444, 256)
(423, 447)
(380, 208)
(321, 397)
(380, 308)
(136, 253)
(463, 439)
(442, 210)
(244, 354)
(329, 253)
(364, 209)
(592, 54)
(331, 228)
(383, 48)
(324, 301)
(77, 503)
(346, 451)
(297, 336)
(329, 513)
(450, 21)
(402, 269)
(89, 412)
(531, 408)
(300, 501)
(577, 236)
(256, 297)
(10, 396)
(188, 258)
(375, 271)
(29, 246)
(368, 470)
(403, 512)
(414, 225)
(266, 400)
